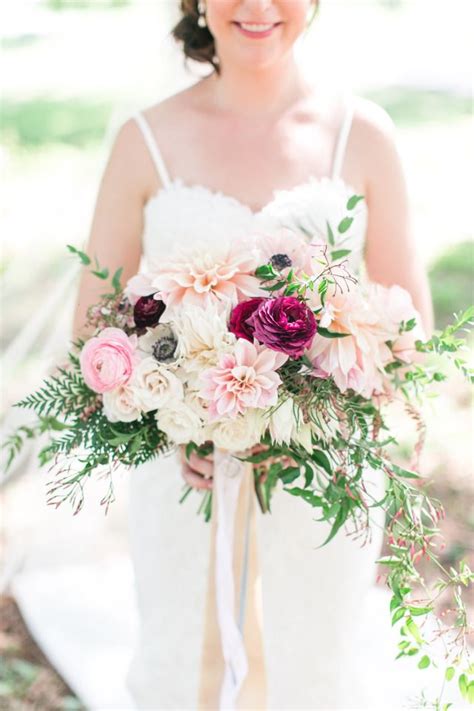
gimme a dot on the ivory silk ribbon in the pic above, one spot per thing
(233, 674)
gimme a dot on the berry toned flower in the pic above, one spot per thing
(148, 311)
(284, 324)
(107, 360)
(239, 324)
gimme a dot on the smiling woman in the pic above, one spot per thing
(200, 21)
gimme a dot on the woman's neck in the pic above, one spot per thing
(266, 92)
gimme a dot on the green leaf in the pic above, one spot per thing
(102, 273)
(419, 610)
(330, 334)
(116, 279)
(470, 692)
(340, 253)
(338, 522)
(398, 616)
(462, 683)
(424, 662)
(414, 630)
(321, 460)
(306, 495)
(289, 474)
(331, 239)
(352, 202)
(405, 473)
(82, 255)
(450, 672)
(345, 224)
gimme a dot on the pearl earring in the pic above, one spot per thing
(201, 10)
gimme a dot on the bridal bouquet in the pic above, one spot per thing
(268, 344)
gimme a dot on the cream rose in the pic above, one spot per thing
(181, 424)
(238, 433)
(156, 385)
(122, 404)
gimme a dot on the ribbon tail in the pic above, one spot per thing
(228, 476)
(233, 674)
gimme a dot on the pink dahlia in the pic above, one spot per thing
(242, 379)
(203, 274)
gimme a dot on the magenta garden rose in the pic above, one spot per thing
(238, 323)
(107, 360)
(284, 324)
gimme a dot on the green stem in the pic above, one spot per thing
(186, 494)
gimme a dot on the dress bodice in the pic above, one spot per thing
(180, 214)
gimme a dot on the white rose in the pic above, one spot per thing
(122, 404)
(198, 404)
(156, 385)
(181, 424)
(239, 433)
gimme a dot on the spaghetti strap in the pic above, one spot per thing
(342, 139)
(152, 147)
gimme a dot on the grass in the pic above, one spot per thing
(414, 106)
(451, 280)
(41, 121)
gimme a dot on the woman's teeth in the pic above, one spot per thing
(255, 28)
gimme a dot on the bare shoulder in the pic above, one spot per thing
(170, 124)
(371, 121)
(374, 142)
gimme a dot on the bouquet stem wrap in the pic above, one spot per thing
(233, 672)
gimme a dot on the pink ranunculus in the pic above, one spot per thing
(238, 323)
(242, 379)
(107, 360)
(284, 324)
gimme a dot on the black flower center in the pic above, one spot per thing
(280, 261)
(164, 348)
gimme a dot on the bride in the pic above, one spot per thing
(252, 146)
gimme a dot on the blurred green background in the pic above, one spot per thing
(74, 70)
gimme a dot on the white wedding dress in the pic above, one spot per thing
(327, 635)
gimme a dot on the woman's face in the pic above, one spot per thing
(256, 33)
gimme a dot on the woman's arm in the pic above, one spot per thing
(391, 254)
(117, 224)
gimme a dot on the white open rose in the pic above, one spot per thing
(181, 424)
(238, 433)
(122, 404)
(156, 385)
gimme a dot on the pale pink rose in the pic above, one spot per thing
(203, 274)
(393, 305)
(138, 286)
(243, 378)
(354, 361)
(107, 360)
(284, 243)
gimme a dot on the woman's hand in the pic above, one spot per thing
(197, 472)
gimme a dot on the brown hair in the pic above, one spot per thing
(198, 42)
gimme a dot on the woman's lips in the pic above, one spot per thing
(256, 30)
